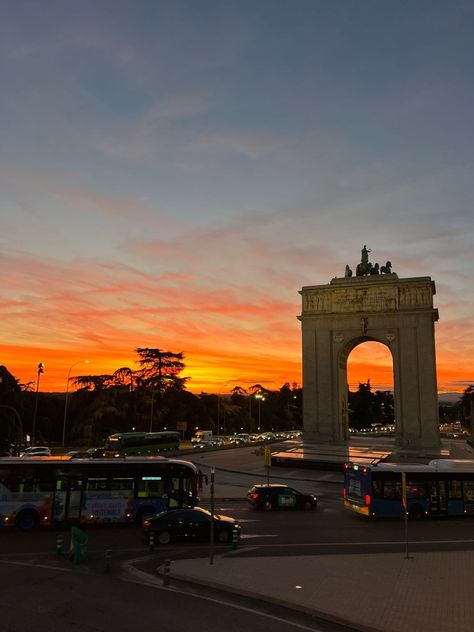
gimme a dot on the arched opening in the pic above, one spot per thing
(367, 386)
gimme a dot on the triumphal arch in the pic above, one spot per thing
(372, 304)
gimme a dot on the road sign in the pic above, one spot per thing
(267, 456)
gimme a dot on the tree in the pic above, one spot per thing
(467, 405)
(161, 369)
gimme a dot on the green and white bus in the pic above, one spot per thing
(141, 443)
(61, 490)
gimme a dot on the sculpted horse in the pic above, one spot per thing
(386, 269)
(363, 268)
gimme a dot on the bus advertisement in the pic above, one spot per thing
(443, 487)
(141, 443)
(61, 490)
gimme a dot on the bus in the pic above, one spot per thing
(141, 443)
(62, 490)
(443, 487)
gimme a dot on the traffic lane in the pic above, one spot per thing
(329, 523)
(77, 600)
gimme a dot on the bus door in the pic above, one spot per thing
(60, 499)
(438, 496)
(74, 499)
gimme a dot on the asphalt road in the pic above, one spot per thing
(78, 600)
(38, 585)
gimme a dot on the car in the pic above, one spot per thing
(96, 453)
(216, 443)
(77, 454)
(36, 450)
(202, 444)
(190, 525)
(269, 496)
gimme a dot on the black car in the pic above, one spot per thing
(277, 496)
(191, 525)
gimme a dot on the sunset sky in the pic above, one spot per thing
(173, 172)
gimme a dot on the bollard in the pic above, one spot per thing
(166, 573)
(108, 560)
(235, 539)
(151, 540)
(59, 545)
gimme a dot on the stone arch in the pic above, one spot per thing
(360, 309)
(343, 358)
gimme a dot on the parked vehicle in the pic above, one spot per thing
(269, 496)
(36, 450)
(201, 435)
(203, 444)
(191, 525)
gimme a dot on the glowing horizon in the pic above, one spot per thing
(171, 177)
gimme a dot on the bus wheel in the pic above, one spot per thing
(223, 537)
(416, 512)
(164, 537)
(27, 520)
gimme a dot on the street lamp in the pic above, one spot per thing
(40, 370)
(67, 396)
(260, 398)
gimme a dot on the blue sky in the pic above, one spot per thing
(171, 173)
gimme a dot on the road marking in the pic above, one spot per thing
(34, 565)
(347, 544)
(248, 536)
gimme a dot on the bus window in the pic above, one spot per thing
(174, 493)
(188, 492)
(150, 487)
(377, 488)
(96, 484)
(455, 490)
(392, 490)
(122, 487)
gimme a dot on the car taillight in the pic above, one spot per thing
(146, 524)
(367, 499)
(253, 496)
(344, 493)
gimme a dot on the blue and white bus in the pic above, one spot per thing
(443, 487)
(46, 490)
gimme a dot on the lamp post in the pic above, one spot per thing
(40, 370)
(67, 396)
(260, 398)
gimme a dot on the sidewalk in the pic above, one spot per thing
(432, 592)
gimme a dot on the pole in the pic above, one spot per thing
(33, 430)
(211, 540)
(405, 512)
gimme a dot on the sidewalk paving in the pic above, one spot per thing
(431, 592)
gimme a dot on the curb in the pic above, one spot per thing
(222, 589)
